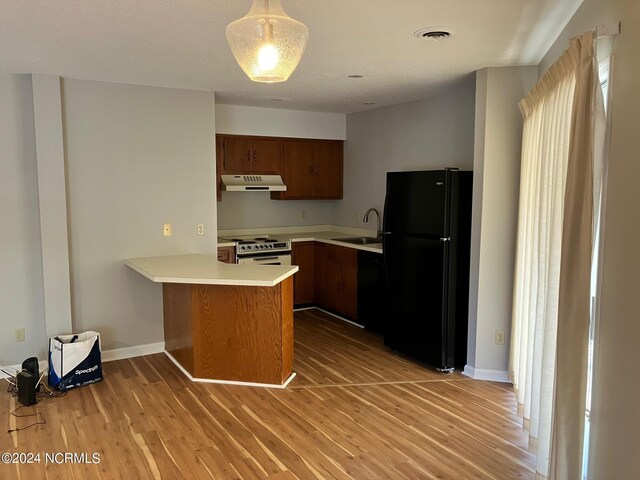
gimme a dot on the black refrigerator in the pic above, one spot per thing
(426, 243)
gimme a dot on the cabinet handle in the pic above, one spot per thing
(249, 156)
(315, 171)
(311, 170)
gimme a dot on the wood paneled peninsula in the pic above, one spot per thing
(223, 322)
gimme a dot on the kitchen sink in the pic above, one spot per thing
(359, 240)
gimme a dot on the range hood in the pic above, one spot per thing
(253, 183)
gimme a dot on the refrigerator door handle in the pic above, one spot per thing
(445, 239)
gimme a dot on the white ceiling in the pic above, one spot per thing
(182, 44)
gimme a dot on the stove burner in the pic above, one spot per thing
(261, 239)
(269, 240)
(245, 242)
(236, 239)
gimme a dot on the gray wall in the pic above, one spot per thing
(21, 295)
(137, 157)
(615, 416)
(426, 134)
(496, 182)
(256, 209)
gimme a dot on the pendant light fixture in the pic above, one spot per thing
(267, 43)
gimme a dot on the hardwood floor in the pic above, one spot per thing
(354, 411)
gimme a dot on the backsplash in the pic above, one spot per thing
(256, 209)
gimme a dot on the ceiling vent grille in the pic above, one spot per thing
(433, 33)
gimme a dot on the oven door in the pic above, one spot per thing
(281, 259)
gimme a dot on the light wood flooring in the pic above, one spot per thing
(355, 410)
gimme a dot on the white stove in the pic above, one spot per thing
(262, 249)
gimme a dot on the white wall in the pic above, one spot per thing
(52, 195)
(256, 209)
(137, 157)
(615, 416)
(426, 134)
(21, 295)
(496, 183)
(277, 122)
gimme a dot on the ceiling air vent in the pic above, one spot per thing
(433, 33)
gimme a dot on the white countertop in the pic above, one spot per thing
(328, 237)
(206, 269)
(325, 234)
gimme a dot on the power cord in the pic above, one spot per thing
(46, 393)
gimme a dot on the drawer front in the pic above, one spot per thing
(342, 254)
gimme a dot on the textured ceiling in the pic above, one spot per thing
(182, 44)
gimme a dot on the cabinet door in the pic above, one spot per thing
(266, 155)
(320, 270)
(328, 170)
(303, 281)
(333, 280)
(298, 169)
(237, 155)
(219, 157)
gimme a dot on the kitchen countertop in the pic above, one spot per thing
(207, 270)
(323, 235)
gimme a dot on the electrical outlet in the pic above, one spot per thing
(201, 229)
(167, 229)
(499, 337)
(20, 335)
(303, 214)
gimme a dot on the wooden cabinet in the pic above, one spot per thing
(311, 169)
(341, 280)
(303, 255)
(250, 155)
(238, 154)
(227, 254)
(320, 272)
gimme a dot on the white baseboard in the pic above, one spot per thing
(229, 382)
(336, 316)
(107, 356)
(484, 374)
(131, 352)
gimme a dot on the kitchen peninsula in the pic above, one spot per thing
(225, 323)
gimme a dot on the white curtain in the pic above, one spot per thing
(551, 113)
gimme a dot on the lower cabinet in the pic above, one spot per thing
(303, 255)
(327, 277)
(227, 254)
(319, 273)
(342, 280)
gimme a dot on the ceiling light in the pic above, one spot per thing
(355, 76)
(267, 43)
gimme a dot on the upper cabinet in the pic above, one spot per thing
(311, 169)
(240, 154)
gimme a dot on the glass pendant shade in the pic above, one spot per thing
(266, 42)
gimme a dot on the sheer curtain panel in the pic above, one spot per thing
(545, 150)
(553, 260)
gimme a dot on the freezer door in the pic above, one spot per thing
(417, 279)
(417, 203)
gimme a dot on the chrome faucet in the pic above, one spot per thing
(365, 219)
